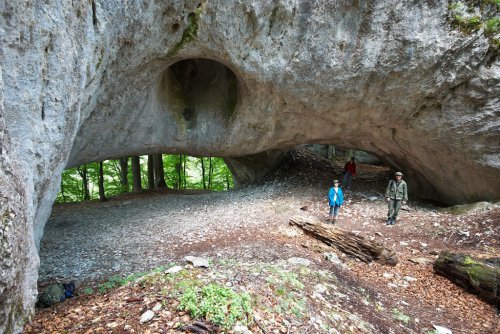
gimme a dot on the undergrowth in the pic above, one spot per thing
(473, 16)
(217, 304)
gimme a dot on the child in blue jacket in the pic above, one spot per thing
(335, 199)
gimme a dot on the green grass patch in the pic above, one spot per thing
(400, 316)
(117, 281)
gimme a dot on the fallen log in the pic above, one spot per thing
(346, 242)
(481, 277)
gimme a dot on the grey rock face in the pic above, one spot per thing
(18, 255)
(93, 80)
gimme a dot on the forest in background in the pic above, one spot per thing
(100, 180)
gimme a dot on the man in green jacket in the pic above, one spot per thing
(396, 193)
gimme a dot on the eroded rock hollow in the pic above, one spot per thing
(85, 81)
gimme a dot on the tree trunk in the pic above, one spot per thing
(203, 174)
(124, 173)
(210, 170)
(346, 242)
(151, 172)
(159, 171)
(481, 277)
(184, 172)
(136, 174)
(62, 191)
(82, 170)
(179, 168)
(102, 195)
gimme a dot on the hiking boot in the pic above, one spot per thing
(393, 221)
(388, 222)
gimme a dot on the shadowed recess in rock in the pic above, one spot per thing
(200, 92)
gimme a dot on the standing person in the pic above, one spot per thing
(396, 193)
(335, 199)
(349, 173)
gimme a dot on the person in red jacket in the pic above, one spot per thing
(349, 173)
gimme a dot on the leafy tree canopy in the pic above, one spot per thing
(180, 172)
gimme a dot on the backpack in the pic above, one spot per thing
(55, 293)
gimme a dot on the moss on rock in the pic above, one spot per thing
(190, 32)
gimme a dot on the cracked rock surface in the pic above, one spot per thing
(94, 80)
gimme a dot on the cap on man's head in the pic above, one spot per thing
(398, 174)
(335, 181)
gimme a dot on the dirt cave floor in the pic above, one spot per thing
(246, 236)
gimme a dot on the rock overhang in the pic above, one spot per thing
(329, 73)
(387, 77)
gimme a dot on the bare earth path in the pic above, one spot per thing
(92, 241)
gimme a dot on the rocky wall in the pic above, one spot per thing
(85, 81)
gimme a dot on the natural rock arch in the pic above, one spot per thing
(91, 81)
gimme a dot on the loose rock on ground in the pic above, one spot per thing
(248, 228)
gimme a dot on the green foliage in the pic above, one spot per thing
(185, 172)
(292, 303)
(400, 316)
(492, 26)
(285, 280)
(434, 331)
(111, 283)
(379, 307)
(181, 172)
(493, 2)
(72, 183)
(217, 304)
(189, 33)
(117, 281)
(477, 16)
(288, 292)
(107, 286)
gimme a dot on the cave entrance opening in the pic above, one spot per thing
(107, 240)
(101, 180)
(338, 153)
(371, 173)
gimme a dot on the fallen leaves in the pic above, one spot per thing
(249, 225)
